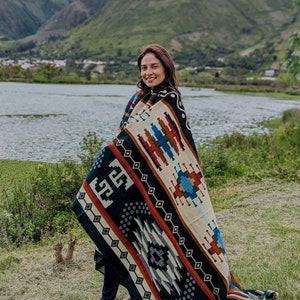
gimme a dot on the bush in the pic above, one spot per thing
(256, 156)
(41, 203)
(291, 116)
(90, 147)
(32, 206)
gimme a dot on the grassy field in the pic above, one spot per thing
(16, 171)
(259, 221)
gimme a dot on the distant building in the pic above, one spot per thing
(269, 72)
(31, 63)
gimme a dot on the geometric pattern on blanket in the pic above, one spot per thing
(146, 206)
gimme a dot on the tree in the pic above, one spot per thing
(293, 55)
(296, 2)
(50, 71)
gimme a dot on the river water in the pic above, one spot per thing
(44, 122)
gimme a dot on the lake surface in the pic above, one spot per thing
(44, 122)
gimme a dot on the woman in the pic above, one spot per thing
(145, 203)
(153, 73)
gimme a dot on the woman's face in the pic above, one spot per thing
(152, 70)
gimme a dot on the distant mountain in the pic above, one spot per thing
(37, 20)
(195, 31)
(69, 17)
(19, 18)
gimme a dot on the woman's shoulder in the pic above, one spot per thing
(161, 92)
(170, 92)
(138, 94)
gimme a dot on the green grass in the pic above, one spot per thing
(261, 231)
(270, 91)
(14, 172)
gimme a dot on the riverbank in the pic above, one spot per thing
(283, 88)
(287, 94)
(259, 221)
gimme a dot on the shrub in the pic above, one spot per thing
(41, 203)
(90, 147)
(256, 156)
(291, 116)
(33, 205)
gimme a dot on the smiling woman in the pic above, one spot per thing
(152, 71)
(155, 71)
(145, 203)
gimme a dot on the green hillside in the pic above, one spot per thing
(69, 17)
(189, 28)
(195, 31)
(19, 19)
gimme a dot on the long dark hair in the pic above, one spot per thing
(163, 55)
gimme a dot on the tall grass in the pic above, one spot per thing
(257, 156)
(39, 204)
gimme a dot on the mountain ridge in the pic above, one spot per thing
(196, 32)
(19, 19)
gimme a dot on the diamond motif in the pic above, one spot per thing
(81, 195)
(159, 203)
(181, 241)
(144, 177)
(127, 153)
(198, 265)
(97, 219)
(168, 217)
(207, 277)
(139, 280)
(115, 243)
(151, 191)
(123, 254)
(119, 142)
(216, 291)
(157, 256)
(105, 230)
(136, 165)
(132, 268)
(189, 253)
(88, 206)
(175, 229)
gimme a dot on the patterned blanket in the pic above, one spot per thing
(145, 205)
